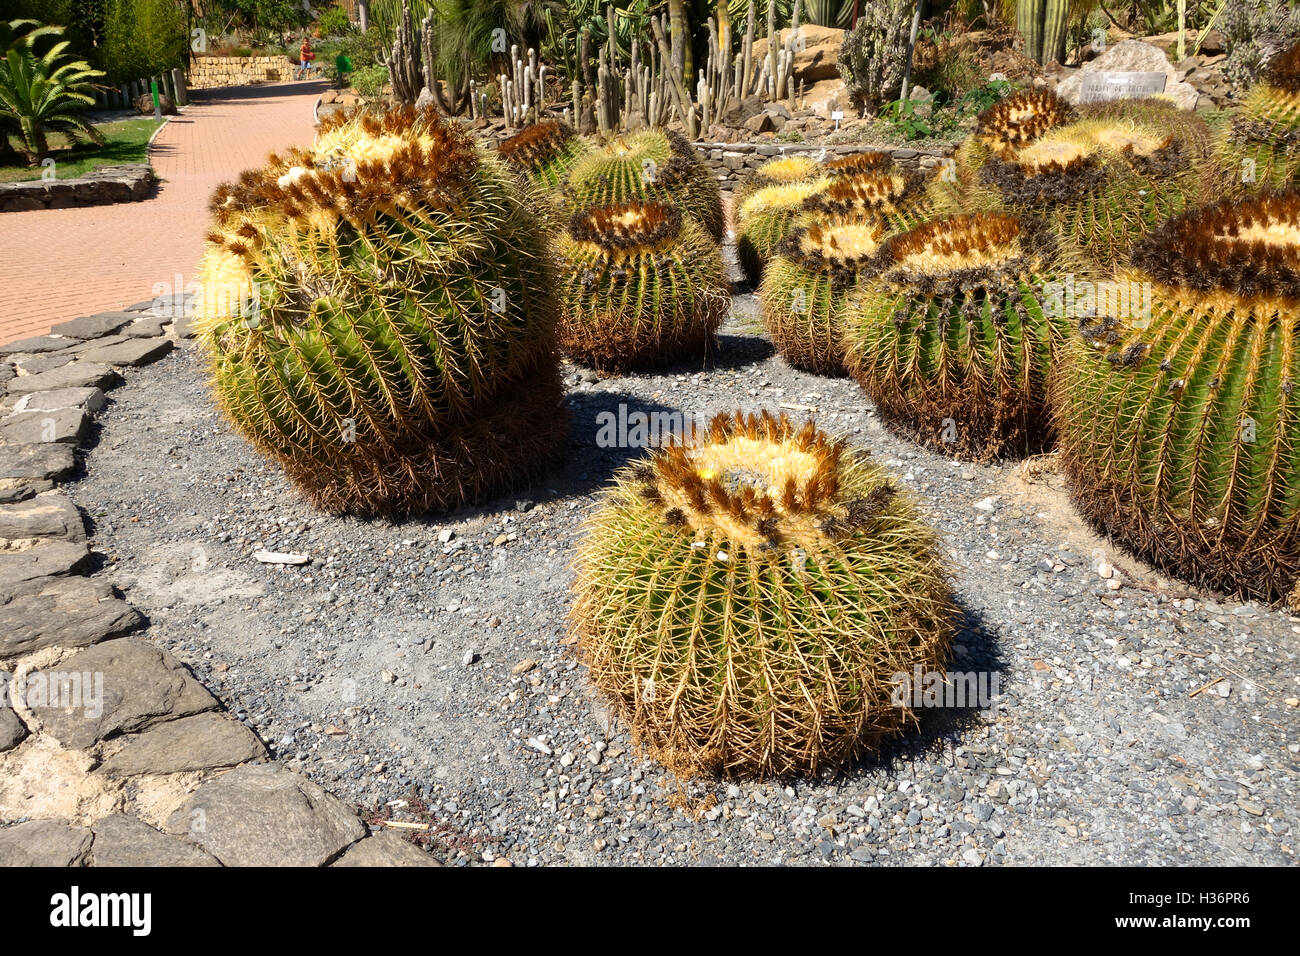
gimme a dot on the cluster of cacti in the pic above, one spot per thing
(892, 197)
(640, 285)
(782, 171)
(764, 218)
(807, 284)
(1100, 183)
(1179, 425)
(543, 152)
(953, 335)
(747, 598)
(649, 165)
(1260, 142)
(377, 316)
(1001, 130)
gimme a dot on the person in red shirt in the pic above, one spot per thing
(305, 58)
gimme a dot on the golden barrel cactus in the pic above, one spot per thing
(747, 598)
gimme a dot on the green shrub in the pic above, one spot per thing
(142, 38)
(334, 22)
(369, 80)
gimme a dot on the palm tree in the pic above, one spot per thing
(41, 93)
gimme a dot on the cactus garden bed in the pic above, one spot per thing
(430, 657)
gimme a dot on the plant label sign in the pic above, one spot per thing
(1103, 86)
(837, 115)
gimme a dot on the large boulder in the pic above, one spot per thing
(816, 53)
(144, 104)
(1132, 56)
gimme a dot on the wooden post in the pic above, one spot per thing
(911, 47)
(178, 84)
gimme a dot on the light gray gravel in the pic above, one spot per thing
(428, 658)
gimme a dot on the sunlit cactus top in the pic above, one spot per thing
(760, 482)
(780, 196)
(536, 144)
(1244, 248)
(785, 169)
(1069, 161)
(961, 251)
(842, 249)
(620, 229)
(857, 163)
(880, 192)
(1021, 118)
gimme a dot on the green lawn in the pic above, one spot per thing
(127, 142)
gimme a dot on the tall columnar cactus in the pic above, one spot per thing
(747, 599)
(1101, 184)
(376, 313)
(544, 152)
(648, 165)
(782, 171)
(639, 286)
(1260, 142)
(953, 340)
(764, 218)
(1179, 422)
(807, 285)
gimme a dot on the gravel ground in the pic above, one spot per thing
(428, 661)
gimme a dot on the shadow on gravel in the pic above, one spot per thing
(940, 729)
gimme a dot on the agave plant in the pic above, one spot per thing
(377, 315)
(42, 91)
(1179, 421)
(745, 599)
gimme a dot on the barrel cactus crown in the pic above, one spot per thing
(953, 340)
(764, 218)
(640, 285)
(855, 164)
(891, 196)
(807, 285)
(746, 597)
(1102, 184)
(1000, 131)
(648, 165)
(1017, 120)
(1260, 142)
(1186, 127)
(780, 171)
(376, 316)
(1178, 426)
(544, 152)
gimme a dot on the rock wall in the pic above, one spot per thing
(99, 187)
(208, 72)
(730, 162)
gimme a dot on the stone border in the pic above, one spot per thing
(104, 186)
(130, 760)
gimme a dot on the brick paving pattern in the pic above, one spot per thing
(57, 264)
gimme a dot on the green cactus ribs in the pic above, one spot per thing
(648, 165)
(952, 339)
(370, 297)
(1260, 143)
(1179, 432)
(745, 598)
(806, 286)
(765, 216)
(544, 152)
(640, 286)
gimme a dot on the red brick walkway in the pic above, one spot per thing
(57, 264)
